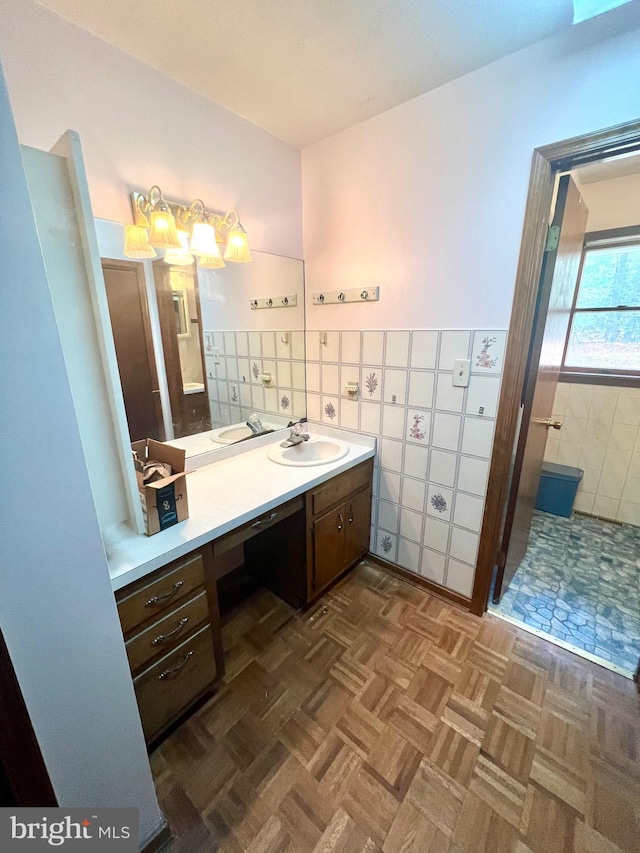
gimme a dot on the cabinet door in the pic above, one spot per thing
(357, 526)
(328, 547)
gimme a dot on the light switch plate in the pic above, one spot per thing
(461, 368)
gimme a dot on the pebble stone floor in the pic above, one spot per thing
(580, 583)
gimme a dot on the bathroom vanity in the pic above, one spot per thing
(298, 528)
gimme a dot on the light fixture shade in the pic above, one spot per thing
(163, 234)
(210, 262)
(181, 257)
(238, 246)
(136, 243)
(182, 226)
(203, 240)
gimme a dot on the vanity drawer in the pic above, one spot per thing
(341, 487)
(169, 686)
(165, 634)
(169, 586)
(252, 528)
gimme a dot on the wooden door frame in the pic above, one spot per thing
(137, 267)
(547, 162)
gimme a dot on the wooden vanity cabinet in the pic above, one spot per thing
(171, 626)
(338, 526)
(171, 617)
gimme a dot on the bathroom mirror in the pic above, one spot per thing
(196, 357)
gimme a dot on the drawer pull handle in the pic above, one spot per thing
(262, 521)
(340, 521)
(157, 598)
(350, 515)
(161, 638)
(169, 672)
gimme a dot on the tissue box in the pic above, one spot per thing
(164, 503)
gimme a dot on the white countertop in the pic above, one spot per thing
(238, 486)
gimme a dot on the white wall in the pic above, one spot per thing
(139, 128)
(225, 294)
(57, 609)
(427, 200)
(612, 204)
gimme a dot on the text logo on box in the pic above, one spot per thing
(102, 830)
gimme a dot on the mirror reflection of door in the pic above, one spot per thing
(181, 329)
(129, 312)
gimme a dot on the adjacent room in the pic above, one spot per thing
(320, 332)
(578, 580)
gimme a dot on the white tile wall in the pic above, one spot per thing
(424, 349)
(235, 388)
(434, 446)
(600, 434)
(372, 348)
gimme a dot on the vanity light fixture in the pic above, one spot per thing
(185, 233)
(136, 242)
(203, 234)
(162, 224)
(237, 244)
(181, 257)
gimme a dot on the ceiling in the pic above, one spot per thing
(306, 69)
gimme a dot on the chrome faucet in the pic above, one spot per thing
(255, 424)
(296, 436)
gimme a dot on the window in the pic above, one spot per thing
(604, 327)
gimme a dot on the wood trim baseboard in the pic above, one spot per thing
(418, 580)
(159, 841)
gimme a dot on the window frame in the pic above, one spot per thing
(612, 238)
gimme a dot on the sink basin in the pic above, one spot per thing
(316, 451)
(230, 434)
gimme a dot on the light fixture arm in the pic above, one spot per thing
(230, 220)
(197, 211)
(155, 199)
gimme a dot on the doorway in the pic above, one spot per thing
(518, 539)
(129, 314)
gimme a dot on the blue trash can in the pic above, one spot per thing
(558, 488)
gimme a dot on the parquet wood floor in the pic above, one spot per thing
(385, 720)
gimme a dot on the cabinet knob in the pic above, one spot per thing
(340, 521)
(350, 515)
